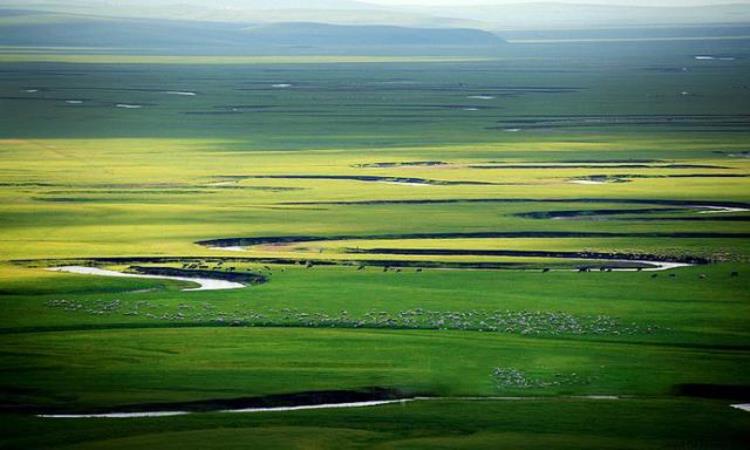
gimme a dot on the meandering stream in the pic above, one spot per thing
(205, 284)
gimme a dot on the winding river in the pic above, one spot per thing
(361, 404)
(204, 284)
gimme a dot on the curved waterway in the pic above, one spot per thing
(615, 262)
(654, 266)
(362, 404)
(136, 415)
(205, 284)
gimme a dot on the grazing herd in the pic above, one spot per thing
(510, 322)
(511, 378)
(200, 265)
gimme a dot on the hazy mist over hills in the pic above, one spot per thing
(237, 23)
(521, 15)
(562, 15)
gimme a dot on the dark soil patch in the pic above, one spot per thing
(534, 253)
(593, 213)
(705, 218)
(238, 277)
(529, 200)
(380, 263)
(596, 166)
(249, 241)
(739, 392)
(385, 165)
(311, 398)
(718, 121)
(624, 177)
(373, 179)
(608, 161)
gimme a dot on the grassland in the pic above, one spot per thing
(401, 212)
(24, 56)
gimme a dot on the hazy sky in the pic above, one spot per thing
(600, 2)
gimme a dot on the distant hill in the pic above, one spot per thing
(367, 35)
(327, 26)
(102, 5)
(38, 28)
(551, 15)
(341, 12)
(544, 15)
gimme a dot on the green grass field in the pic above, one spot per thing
(422, 223)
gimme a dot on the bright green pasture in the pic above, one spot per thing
(702, 336)
(688, 308)
(108, 368)
(94, 180)
(156, 197)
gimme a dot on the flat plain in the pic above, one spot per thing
(545, 247)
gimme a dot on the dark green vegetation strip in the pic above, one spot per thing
(627, 201)
(307, 261)
(597, 213)
(248, 241)
(595, 166)
(677, 122)
(530, 254)
(405, 180)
